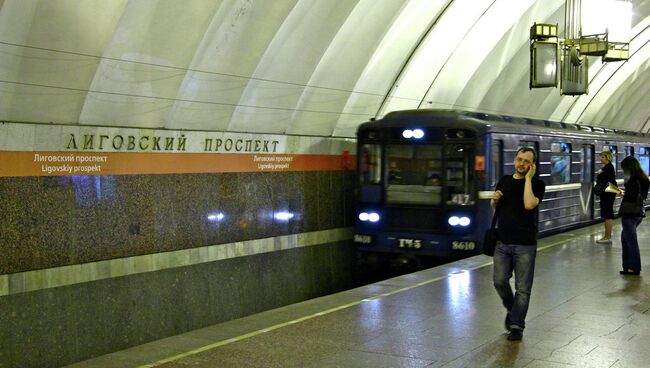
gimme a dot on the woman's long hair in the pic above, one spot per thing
(632, 167)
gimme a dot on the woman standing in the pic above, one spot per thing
(632, 213)
(607, 175)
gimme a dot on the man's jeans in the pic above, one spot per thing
(630, 243)
(521, 260)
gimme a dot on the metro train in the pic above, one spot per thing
(426, 177)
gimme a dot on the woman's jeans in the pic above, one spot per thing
(630, 244)
(521, 260)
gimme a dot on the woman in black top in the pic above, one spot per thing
(607, 175)
(636, 191)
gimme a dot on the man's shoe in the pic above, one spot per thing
(604, 241)
(507, 322)
(515, 334)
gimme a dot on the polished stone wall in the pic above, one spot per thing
(55, 221)
(95, 264)
(57, 326)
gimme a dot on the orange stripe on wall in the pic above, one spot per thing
(21, 163)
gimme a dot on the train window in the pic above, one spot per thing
(370, 164)
(532, 144)
(496, 162)
(414, 174)
(560, 163)
(629, 151)
(614, 150)
(458, 178)
(644, 158)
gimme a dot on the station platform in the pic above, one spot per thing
(582, 314)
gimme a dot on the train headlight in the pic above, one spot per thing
(415, 133)
(459, 221)
(369, 216)
(453, 221)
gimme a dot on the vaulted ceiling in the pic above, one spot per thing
(306, 67)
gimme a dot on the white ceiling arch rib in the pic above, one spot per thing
(473, 72)
(341, 64)
(224, 64)
(306, 67)
(381, 74)
(433, 52)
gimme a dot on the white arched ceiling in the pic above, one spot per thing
(305, 67)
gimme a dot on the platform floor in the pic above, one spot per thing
(582, 314)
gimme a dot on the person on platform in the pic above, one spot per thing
(632, 213)
(607, 175)
(517, 196)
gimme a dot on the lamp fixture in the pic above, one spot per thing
(592, 28)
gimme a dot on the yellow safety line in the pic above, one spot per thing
(344, 306)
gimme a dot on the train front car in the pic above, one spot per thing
(419, 177)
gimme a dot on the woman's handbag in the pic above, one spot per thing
(491, 236)
(599, 188)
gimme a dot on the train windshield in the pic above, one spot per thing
(414, 174)
(419, 174)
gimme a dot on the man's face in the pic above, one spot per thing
(523, 162)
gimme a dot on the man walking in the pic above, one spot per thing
(517, 197)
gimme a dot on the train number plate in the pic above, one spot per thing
(409, 243)
(463, 245)
(363, 239)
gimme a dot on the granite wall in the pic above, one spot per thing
(81, 223)
(55, 221)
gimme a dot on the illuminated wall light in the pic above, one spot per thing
(216, 217)
(283, 216)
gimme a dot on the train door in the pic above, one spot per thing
(586, 180)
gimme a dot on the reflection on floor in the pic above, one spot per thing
(582, 314)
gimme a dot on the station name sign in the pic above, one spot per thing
(184, 142)
(58, 150)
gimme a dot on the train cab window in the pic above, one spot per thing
(560, 163)
(370, 164)
(413, 174)
(629, 151)
(644, 158)
(458, 178)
